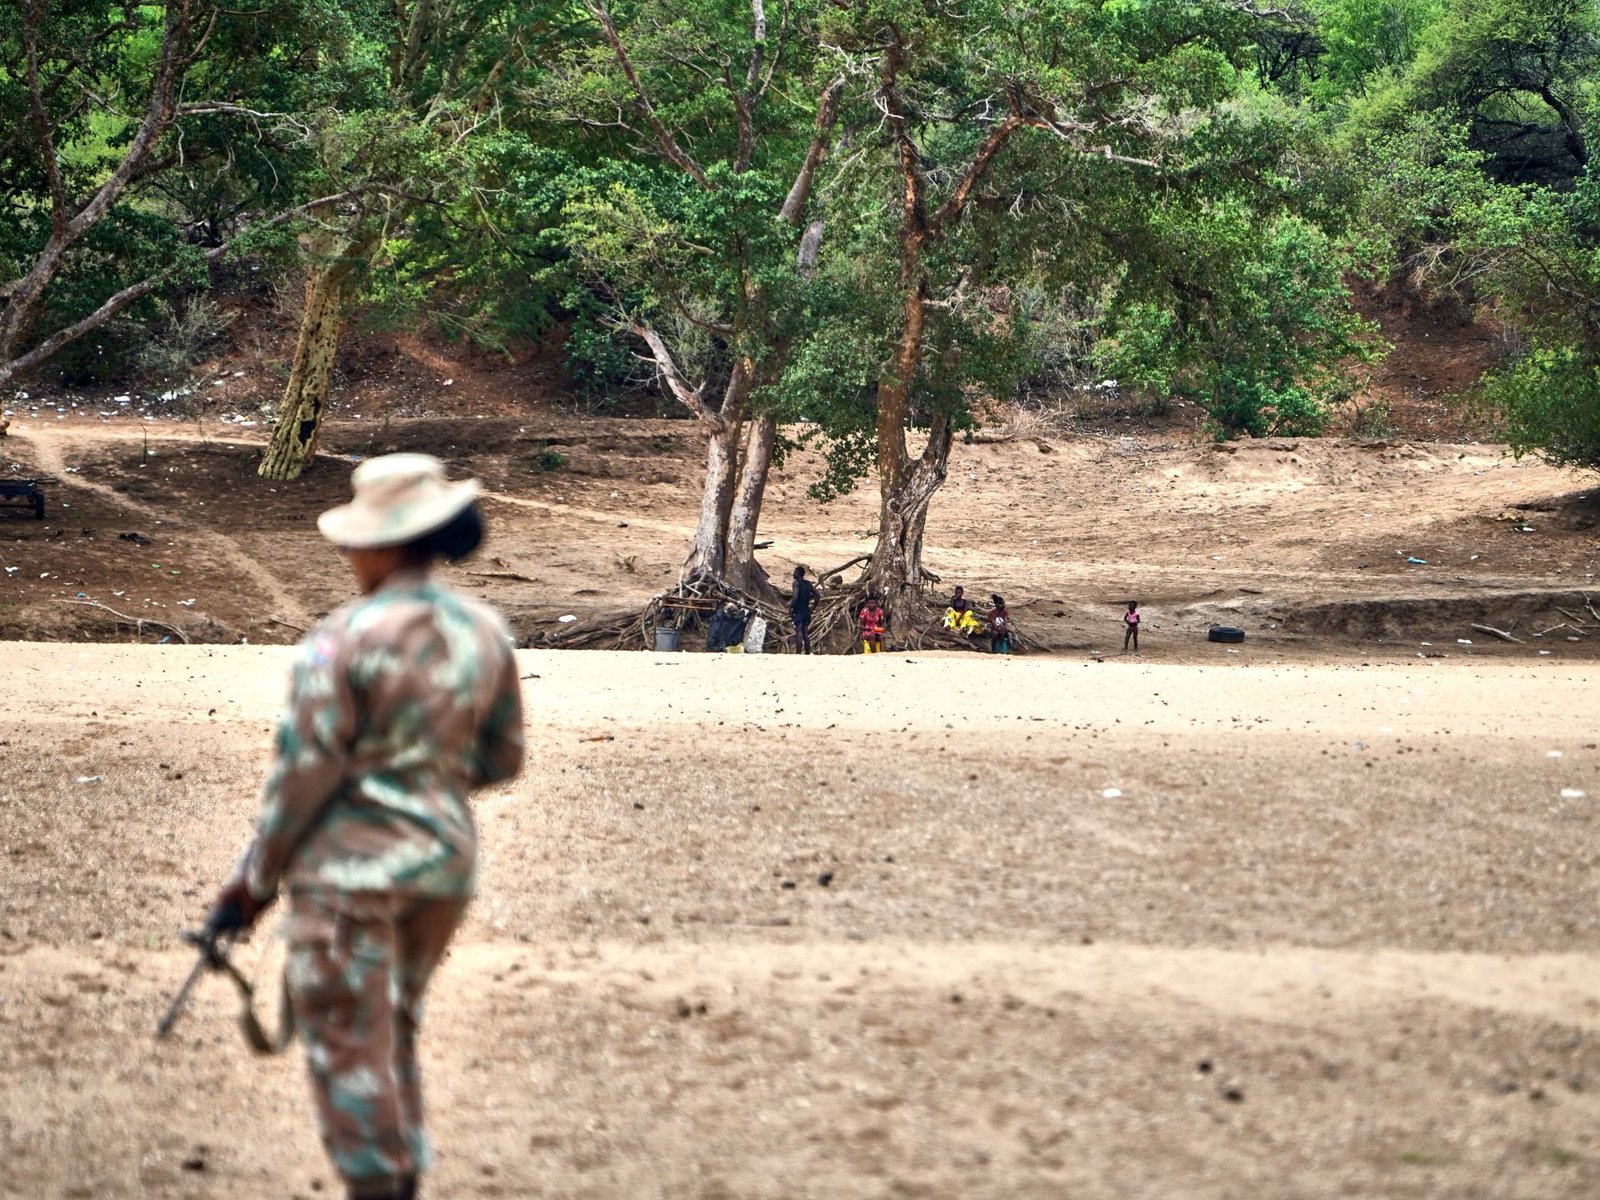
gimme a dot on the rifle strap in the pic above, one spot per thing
(254, 1033)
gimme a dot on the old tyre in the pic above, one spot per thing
(1225, 633)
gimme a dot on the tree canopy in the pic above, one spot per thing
(879, 220)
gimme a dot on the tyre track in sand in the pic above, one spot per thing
(50, 451)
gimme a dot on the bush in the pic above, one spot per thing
(1550, 401)
(109, 355)
(186, 332)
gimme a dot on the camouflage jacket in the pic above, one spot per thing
(401, 704)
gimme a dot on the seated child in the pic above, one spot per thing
(960, 617)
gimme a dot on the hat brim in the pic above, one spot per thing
(358, 527)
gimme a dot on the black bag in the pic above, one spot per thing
(727, 628)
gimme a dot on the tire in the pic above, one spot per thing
(38, 506)
(1224, 633)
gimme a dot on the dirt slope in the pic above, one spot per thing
(1294, 539)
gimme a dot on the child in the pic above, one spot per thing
(959, 616)
(805, 594)
(999, 626)
(873, 623)
(1131, 620)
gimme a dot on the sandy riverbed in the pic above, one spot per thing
(1117, 929)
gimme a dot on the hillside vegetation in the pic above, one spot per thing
(872, 219)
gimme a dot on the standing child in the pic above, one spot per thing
(873, 622)
(999, 626)
(1131, 620)
(800, 601)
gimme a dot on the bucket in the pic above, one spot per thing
(666, 639)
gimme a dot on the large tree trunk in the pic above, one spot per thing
(742, 571)
(905, 488)
(895, 572)
(305, 396)
(708, 555)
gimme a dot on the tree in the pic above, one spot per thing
(95, 96)
(419, 83)
(1517, 73)
(697, 134)
(1062, 144)
(1482, 180)
(1263, 334)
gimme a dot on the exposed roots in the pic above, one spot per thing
(689, 609)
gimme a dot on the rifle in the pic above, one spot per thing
(214, 943)
(214, 947)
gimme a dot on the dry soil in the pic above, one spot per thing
(1313, 916)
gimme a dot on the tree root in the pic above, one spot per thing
(833, 623)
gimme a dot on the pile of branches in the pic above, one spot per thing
(687, 607)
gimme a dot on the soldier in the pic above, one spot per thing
(402, 703)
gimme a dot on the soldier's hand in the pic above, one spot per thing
(235, 909)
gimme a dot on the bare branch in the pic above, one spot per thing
(171, 64)
(689, 396)
(794, 204)
(721, 330)
(114, 304)
(772, 61)
(1267, 14)
(758, 21)
(201, 107)
(664, 139)
(976, 169)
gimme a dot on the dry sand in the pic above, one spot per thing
(1332, 933)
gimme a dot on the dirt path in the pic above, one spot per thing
(52, 448)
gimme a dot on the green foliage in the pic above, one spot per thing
(1551, 400)
(1280, 336)
(1517, 73)
(1364, 41)
(1259, 330)
(1186, 227)
(1528, 249)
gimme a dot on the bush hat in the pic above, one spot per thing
(398, 498)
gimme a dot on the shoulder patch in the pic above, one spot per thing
(322, 650)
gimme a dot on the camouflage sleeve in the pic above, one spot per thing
(500, 738)
(309, 761)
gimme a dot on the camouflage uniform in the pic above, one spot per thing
(401, 704)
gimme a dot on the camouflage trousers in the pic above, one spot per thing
(358, 965)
